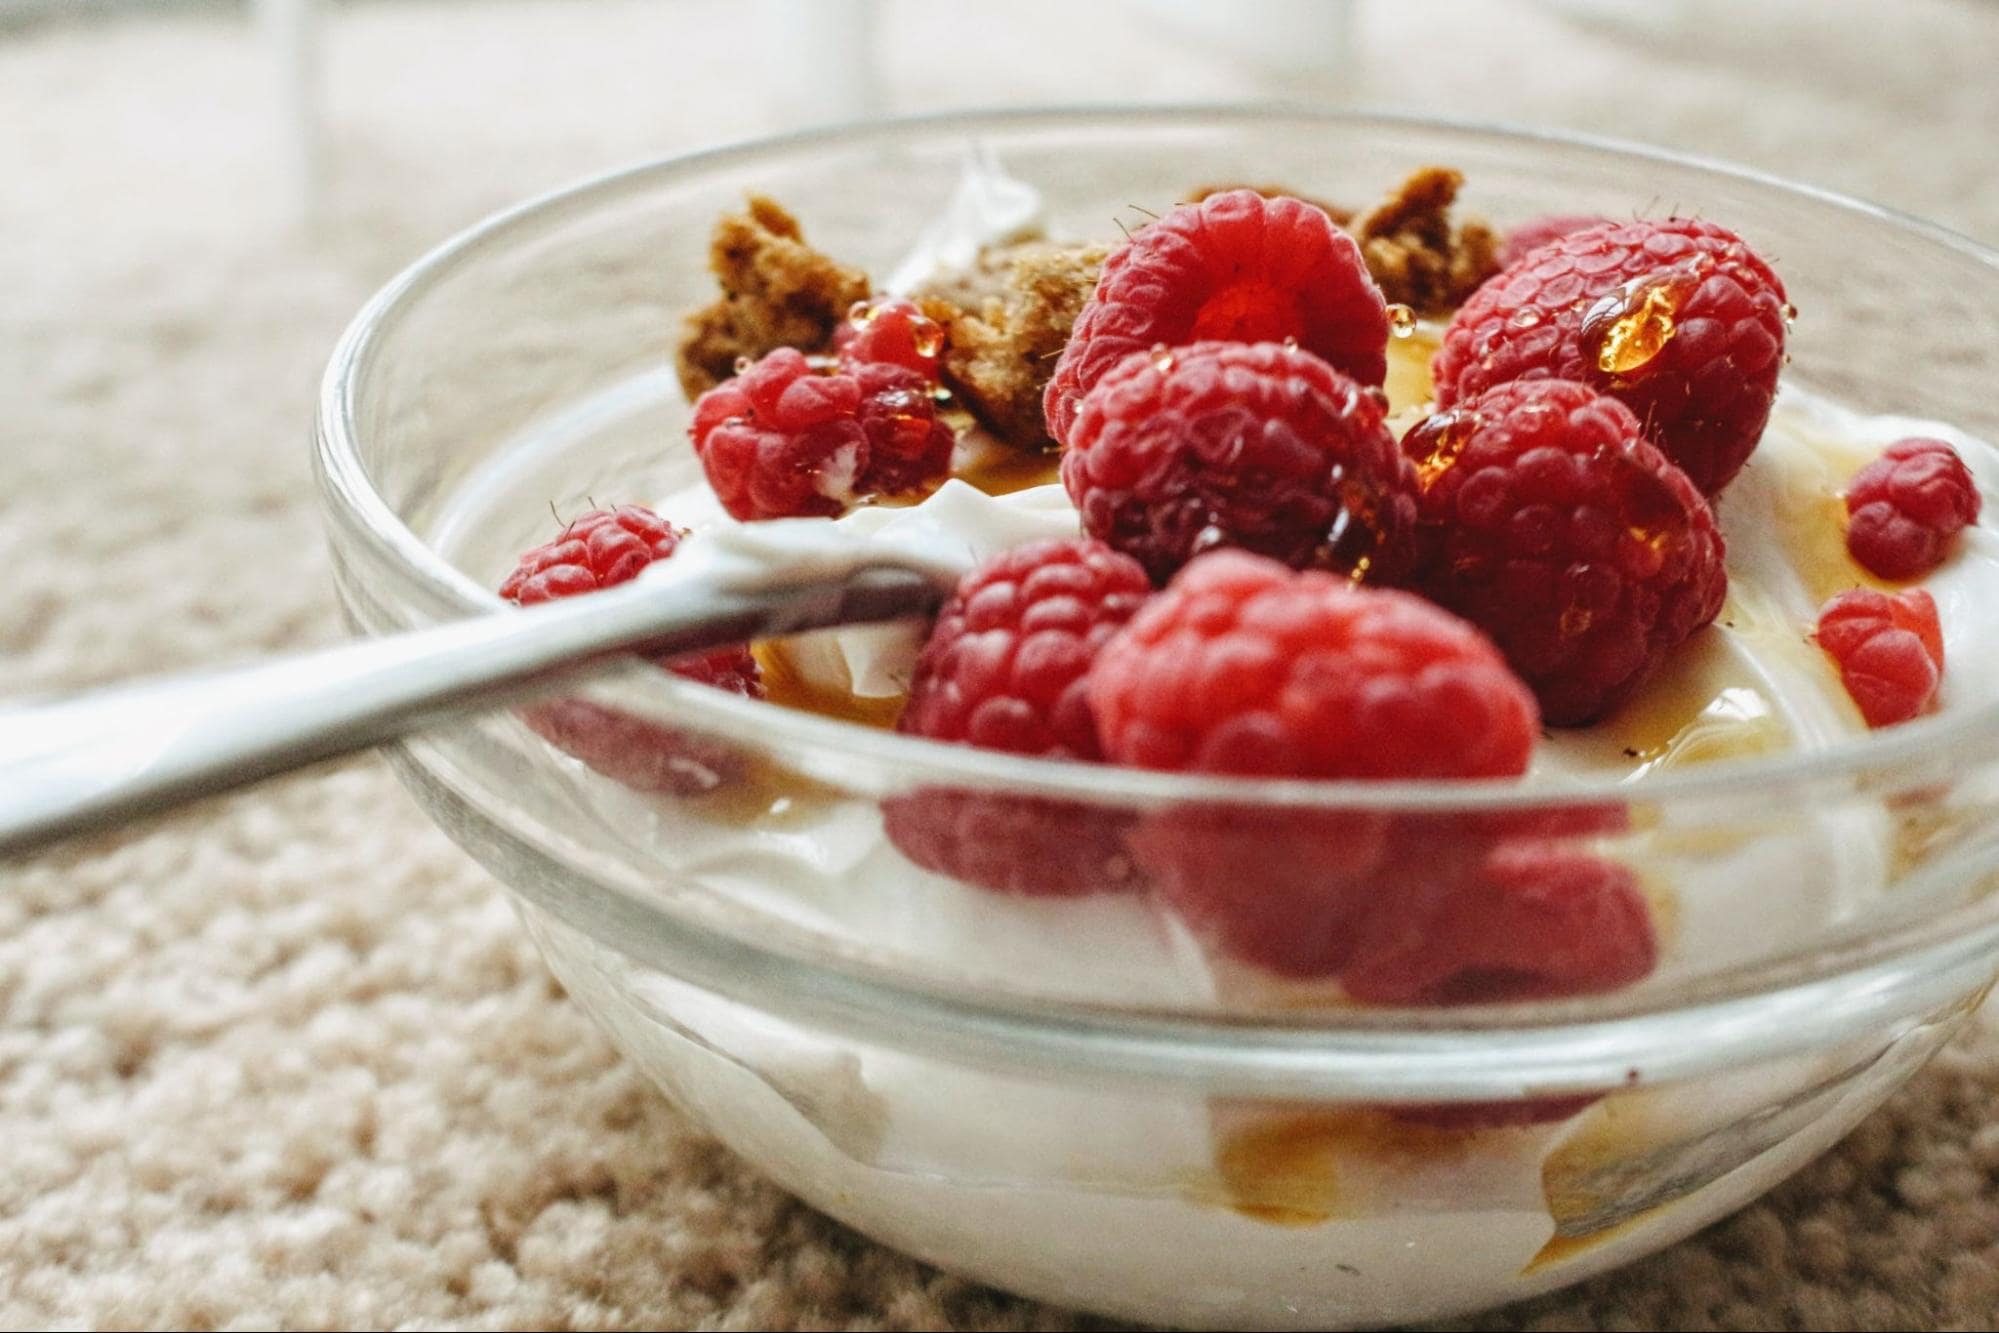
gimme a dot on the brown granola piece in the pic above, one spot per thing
(1005, 333)
(1340, 216)
(777, 291)
(1416, 256)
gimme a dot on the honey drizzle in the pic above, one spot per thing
(1408, 384)
(1283, 1165)
(789, 687)
(765, 793)
(1625, 331)
(1705, 709)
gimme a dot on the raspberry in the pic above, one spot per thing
(1529, 920)
(1253, 445)
(600, 549)
(892, 332)
(1243, 666)
(1519, 919)
(788, 439)
(1287, 890)
(1552, 525)
(1234, 267)
(1024, 845)
(1007, 667)
(1889, 650)
(1534, 233)
(1007, 664)
(1679, 319)
(1904, 508)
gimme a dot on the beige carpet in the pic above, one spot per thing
(287, 1059)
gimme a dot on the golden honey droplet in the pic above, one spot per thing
(927, 336)
(743, 363)
(861, 311)
(1624, 332)
(1435, 443)
(1401, 320)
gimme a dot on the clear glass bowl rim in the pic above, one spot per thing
(1767, 1008)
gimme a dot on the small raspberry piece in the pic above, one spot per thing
(1889, 649)
(787, 439)
(1905, 508)
(1006, 667)
(1550, 523)
(1534, 233)
(1677, 318)
(600, 549)
(1234, 267)
(1252, 445)
(890, 331)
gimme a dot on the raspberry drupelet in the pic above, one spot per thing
(790, 439)
(1234, 267)
(599, 550)
(1677, 318)
(1259, 446)
(1549, 522)
(1905, 509)
(1006, 667)
(1889, 650)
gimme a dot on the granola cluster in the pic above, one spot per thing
(1008, 316)
(777, 291)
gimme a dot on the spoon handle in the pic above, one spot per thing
(98, 759)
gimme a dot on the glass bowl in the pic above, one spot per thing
(1068, 1096)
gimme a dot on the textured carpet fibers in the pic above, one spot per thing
(287, 1059)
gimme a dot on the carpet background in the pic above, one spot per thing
(287, 1058)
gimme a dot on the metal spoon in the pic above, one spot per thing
(98, 759)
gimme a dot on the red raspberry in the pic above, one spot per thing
(1031, 846)
(1235, 267)
(1243, 666)
(891, 331)
(1529, 920)
(1007, 664)
(786, 438)
(1253, 445)
(1519, 919)
(1889, 649)
(1007, 667)
(1904, 508)
(600, 549)
(1677, 318)
(1550, 523)
(1534, 233)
